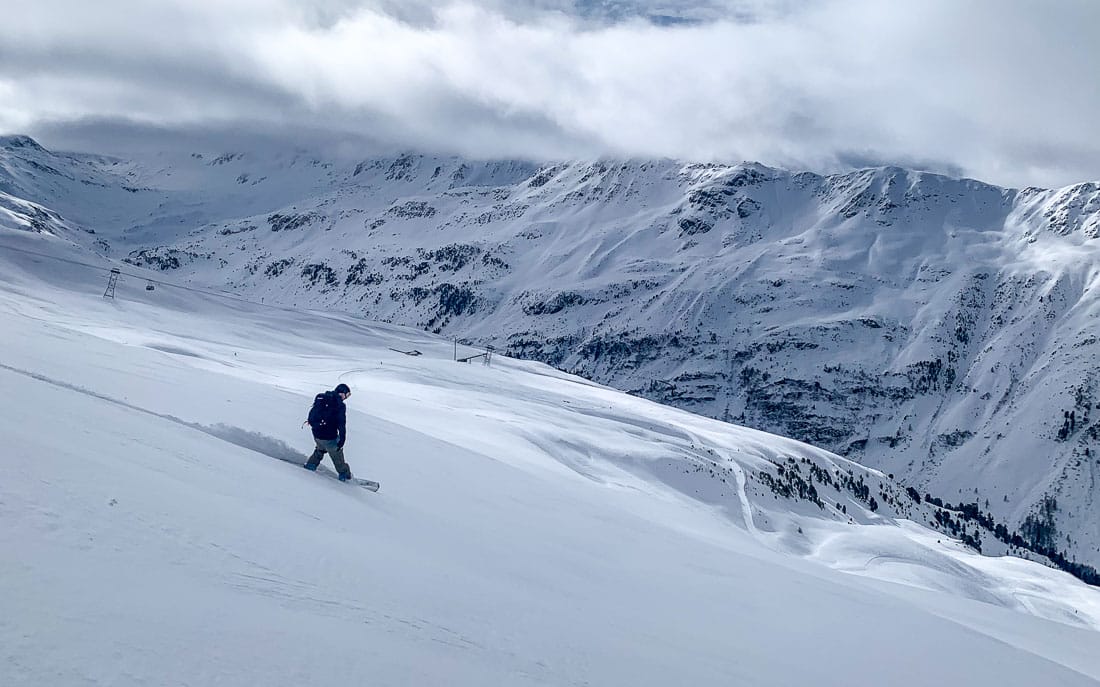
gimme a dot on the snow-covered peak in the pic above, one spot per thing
(19, 141)
(1074, 210)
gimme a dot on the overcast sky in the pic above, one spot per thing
(1002, 90)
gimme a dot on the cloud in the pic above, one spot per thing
(1001, 91)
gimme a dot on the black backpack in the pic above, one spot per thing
(324, 410)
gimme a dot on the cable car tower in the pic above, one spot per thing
(111, 281)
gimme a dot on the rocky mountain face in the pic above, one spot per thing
(942, 330)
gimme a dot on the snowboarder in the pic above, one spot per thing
(328, 420)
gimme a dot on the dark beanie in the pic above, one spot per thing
(342, 389)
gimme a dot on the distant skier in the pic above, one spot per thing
(328, 420)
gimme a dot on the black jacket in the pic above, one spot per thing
(335, 425)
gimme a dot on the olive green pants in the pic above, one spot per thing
(335, 452)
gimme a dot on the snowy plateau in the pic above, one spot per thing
(536, 527)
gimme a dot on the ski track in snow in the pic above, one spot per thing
(244, 438)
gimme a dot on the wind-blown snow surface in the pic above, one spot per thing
(532, 528)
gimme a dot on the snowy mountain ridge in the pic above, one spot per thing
(941, 330)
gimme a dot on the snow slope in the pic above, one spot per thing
(532, 528)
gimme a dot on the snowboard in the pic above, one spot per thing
(365, 483)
